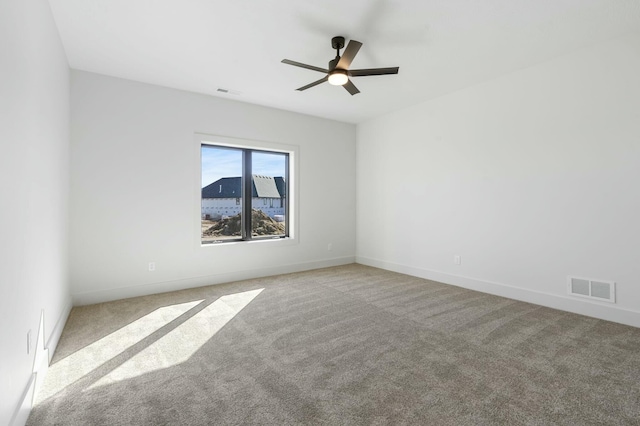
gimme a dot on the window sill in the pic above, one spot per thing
(288, 241)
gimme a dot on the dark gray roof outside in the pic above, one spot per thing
(282, 188)
(231, 187)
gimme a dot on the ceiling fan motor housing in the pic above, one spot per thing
(337, 42)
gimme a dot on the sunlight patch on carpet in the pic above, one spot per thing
(82, 362)
(181, 343)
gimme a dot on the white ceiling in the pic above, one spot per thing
(439, 45)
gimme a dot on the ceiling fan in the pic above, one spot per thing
(338, 72)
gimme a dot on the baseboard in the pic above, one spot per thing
(22, 413)
(40, 370)
(555, 301)
(54, 337)
(42, 359)
(88, 298)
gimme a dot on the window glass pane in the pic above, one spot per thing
(221, 202)
(268, 212)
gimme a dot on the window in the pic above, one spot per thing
(250, 179)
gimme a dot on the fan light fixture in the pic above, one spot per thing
(338, 77)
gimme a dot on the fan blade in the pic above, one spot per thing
(301, 65)
(373, 71)
(351, 88)
(348, 54)
(315, 83)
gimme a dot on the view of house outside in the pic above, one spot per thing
(222, 195)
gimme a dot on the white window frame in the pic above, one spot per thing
(231, 142)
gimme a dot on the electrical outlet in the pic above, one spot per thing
(457, 260)
(28, 342)
(330, 246)
(152, 266)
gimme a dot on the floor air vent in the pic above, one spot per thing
(604, 291)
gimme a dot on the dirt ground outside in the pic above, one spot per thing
(207, 239)
(229, 228)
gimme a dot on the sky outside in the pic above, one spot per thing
(224, 162)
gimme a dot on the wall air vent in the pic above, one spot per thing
(604, 291)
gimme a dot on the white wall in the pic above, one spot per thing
(135, 186)
(529, 178)
(34, 128)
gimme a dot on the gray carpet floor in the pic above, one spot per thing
(345, 345)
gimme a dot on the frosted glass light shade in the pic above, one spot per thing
(338, 78)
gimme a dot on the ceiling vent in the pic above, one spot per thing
(228, 91)
(604, 291)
